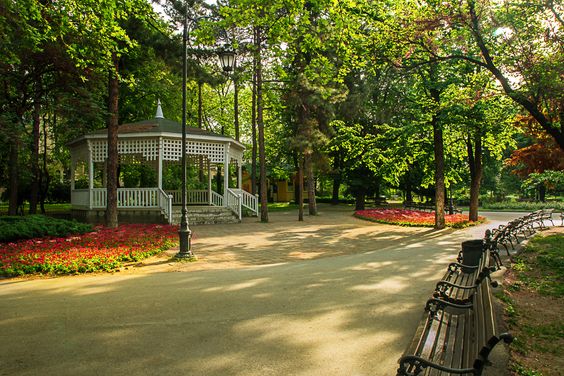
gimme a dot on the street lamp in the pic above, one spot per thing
(227, 60)
(184, 232)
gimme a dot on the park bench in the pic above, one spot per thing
(511, 233)
(461, 281)
(546, 215)
(453, 338)
(428, 207)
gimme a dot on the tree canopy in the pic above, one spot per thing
(418, 97)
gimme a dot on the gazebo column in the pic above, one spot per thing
(160, 165)
(210, 198)
(225, 176)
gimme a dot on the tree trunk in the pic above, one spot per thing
(408, 189)
(45, 177)
(254, 130)
(311, 203)
(360, 198)
(542, 192)
(475, 163)
(218, 185)
(439, 166)
(200, 124)
(34, 193)
(236, 103)
(300, 191)
(336, 178)
(112, 165)
(260, 126)
(13, 171)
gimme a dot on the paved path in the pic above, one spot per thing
(351, 314)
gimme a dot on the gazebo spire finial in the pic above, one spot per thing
(159, 114)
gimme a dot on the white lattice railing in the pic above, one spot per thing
(128, 197)
(234, 202)
(248, 200)
(216, 199)
(198, 197)
(80, 197)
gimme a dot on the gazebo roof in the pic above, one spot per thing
(158, 125)
(155, 127)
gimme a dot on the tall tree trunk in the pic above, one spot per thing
(254, 129)
(311, 203)
(542, 192)
(13, 172)
(260, 126)
(112, 165)
(46, 177)
(475, 163)
(34, 193)
(439, 166)
(337, 178)
(200, 105)
(408, 188)
(360, 199)
(201, 178)
(300, 190)
(236, 102)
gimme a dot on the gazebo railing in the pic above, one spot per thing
(80, 198)
(234, 202)
(198, 197)
(216, 199)
(249, 200)
(128, 197)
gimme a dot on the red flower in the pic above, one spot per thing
(411, 217)
(102, 249)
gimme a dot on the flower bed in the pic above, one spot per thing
(404, 217)
(102, 249)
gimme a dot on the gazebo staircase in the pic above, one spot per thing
(205, 215)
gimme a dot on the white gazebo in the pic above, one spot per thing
(156, 146)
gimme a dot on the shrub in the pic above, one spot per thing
(523, 206)
(37, 226)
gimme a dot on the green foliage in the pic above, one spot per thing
(37, 226)
(553, 180)
(522, 205)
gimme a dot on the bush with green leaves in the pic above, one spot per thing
(38, 226)
(523, 205)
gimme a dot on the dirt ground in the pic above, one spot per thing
(537, 324)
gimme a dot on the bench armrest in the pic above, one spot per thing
(450, 284)
(434, 304)
(420, 363)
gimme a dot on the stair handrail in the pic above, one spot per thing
(234, 202)
(216, 199)
(165, 203)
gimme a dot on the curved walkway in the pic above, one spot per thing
(265, 311)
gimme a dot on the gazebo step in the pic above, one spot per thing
(203, 215)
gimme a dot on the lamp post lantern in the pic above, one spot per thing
(184, 232)
(228, 64)
(227, 60)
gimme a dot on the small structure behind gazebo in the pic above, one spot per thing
(156, 144)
